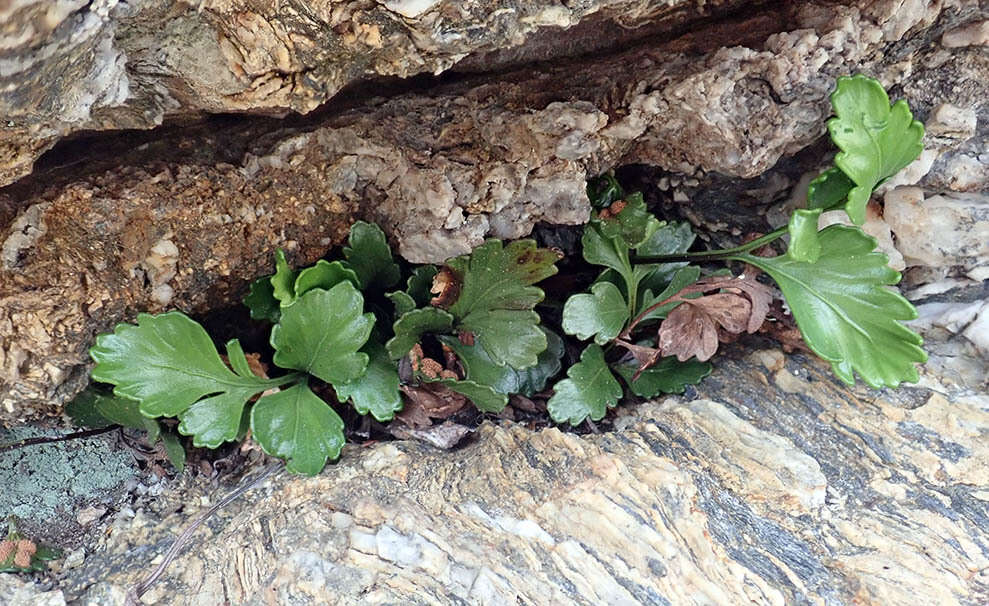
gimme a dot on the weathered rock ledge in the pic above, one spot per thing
(110, 65)
(774, 485)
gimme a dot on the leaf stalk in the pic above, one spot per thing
(714, 255)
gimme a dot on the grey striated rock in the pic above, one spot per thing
(25, 593)
(188, 221)
(772, 484)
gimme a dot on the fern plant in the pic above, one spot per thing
(651, 318)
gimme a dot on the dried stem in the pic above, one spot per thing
(49, 440)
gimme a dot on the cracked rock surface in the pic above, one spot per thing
(768, 483)
(772, 484)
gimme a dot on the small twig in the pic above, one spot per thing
(627, 333)
(135, 592)
(48, 440)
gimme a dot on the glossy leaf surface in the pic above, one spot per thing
(322, 334)
(587, 392)
(669, 375)
(634, 225)
(496, 298)
(876, 140)
(370, 257)
(323, 274)
(829, 190)
(601, 314)
(804, 243)
(261, 301)
(296, 425)
(376, 391)
(480, 368)
(169, 364)
(845, 311)
(283, 282)
(411, 326)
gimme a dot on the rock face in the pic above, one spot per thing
(774, 484)
(770, 483)
(184, 217)
(103, 65)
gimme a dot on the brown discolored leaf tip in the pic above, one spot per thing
(446, 287)
(697, 326)
(687, 332)
(534, 264)
(413, 414)
(429, 401)
(645, 356)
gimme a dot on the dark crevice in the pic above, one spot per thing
(208, 139)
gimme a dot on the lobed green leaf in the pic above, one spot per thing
(481, 369)
(370, 257)
(484, 397)
(420, 283)
(325, 275)
(283, 282)
(376, 391)
(169, 365)
(601, 314)
(634, 225)
(410, 327)
(322, 334)
(261, 301)
(829, 190)
(402, 301)
(670, 239)
(599, 249)
(845, 311)
(804, 243)
(669, 375)
(511, 337)
(588, 392)
(876, 140)
(496, 298)
(296, 425)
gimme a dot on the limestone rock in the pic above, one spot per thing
(937, 231)
(25, 593)
(104, 65)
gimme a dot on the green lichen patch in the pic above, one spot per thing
(44, 485)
